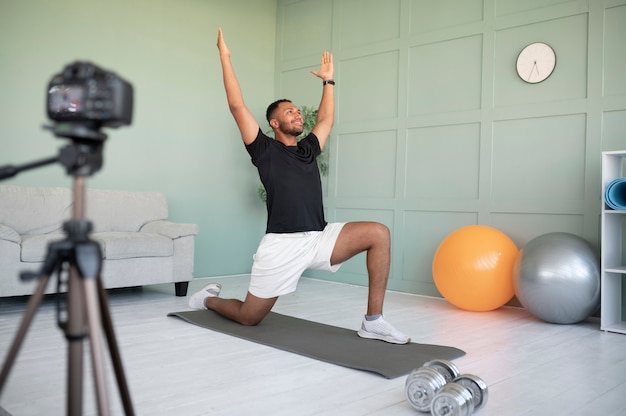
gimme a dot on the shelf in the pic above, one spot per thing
(619, 328)
(613, 245)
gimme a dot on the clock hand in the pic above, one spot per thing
(534, 68)
(537, 69)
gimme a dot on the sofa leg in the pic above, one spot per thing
(181, 288)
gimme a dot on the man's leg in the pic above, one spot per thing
(373, 237)
(249, 312)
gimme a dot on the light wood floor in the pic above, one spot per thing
(174, 368)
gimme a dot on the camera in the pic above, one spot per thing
(83, 98)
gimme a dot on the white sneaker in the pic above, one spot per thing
(197, 300)
(382, 330)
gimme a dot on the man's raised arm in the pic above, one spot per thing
(247, 124)
(326, 110)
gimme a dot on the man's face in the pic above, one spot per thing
(289, 119)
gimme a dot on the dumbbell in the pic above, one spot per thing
(424, 382)
(466, 394)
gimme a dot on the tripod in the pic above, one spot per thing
(87, 315)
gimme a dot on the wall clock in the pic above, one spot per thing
(536, 62)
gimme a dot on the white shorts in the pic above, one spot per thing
(281, 259)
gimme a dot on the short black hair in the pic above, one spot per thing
(272, 107)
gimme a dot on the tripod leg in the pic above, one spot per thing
(33, 304)
(95, 336)
(74, 333)
(116, 357)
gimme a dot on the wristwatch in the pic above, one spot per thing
(330, 81)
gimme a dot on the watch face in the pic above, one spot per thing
(536, 62)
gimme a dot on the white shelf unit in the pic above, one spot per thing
(612, 261)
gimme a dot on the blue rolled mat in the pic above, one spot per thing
(615, 194)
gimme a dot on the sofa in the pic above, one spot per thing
(139, 245)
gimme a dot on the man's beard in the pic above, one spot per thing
(289, 129)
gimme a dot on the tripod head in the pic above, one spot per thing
(79, 159)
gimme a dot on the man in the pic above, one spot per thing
(297, 236)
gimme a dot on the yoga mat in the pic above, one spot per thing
(327, 343)
(615, 194)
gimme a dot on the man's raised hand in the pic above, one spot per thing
(221, 44)
(326, 67)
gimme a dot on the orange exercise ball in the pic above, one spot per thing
(473, 268)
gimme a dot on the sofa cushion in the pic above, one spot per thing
(119, 245)
(113, 210)
(35, 247)
(33, 210)
(170, 229)
(114, 245)
(9, 234)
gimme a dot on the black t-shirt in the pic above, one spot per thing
(292, 182)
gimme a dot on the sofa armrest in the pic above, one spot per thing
(9, 234)
(170, 229)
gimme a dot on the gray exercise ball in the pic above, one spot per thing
(556, 277)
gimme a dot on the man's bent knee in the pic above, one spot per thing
(383, 231)
(255, 309)
(377, 233)
(251, 320)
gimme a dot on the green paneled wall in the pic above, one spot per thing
(435, 130)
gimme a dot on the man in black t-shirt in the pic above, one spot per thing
(292, 182)
(297, 235)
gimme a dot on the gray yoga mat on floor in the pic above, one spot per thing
(327, 343)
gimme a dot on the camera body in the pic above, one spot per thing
(82, 99)
(84, 94)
